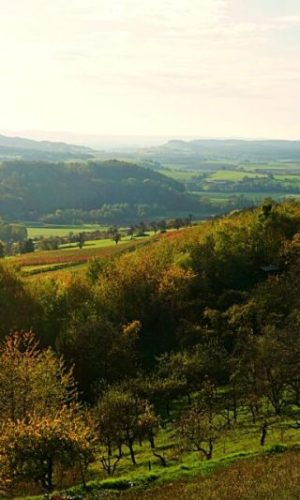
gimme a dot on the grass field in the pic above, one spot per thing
(104, 243)
(48, 231)
(207, 174)
(270, 166)
(180, 175)
(233, 175)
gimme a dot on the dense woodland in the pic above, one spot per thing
(94, 365)
(111, 191)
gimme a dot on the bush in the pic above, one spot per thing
(278, 448)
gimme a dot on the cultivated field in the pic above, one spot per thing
(72, 258)
(221, 183)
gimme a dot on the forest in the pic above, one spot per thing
(163, 363)
(111, 191)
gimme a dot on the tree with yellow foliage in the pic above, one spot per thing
(32, 450)
(31, 380)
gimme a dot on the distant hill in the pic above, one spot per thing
(235, 150)
(12, 147)
(111, 191)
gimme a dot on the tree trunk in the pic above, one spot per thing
(252, 409)
(161, 458)
(47, 479)
(82, 473)
(210, 449)
(264, 431)
(151, 441)
(131, 450)
(168, 409)
(235, 411)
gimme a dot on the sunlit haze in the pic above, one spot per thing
(201, 68)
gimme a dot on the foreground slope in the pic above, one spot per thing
(187, 352)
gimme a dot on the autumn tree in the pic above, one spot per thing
(31, 380)
(17, 304)
(32, 450)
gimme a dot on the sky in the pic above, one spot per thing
(176, 68)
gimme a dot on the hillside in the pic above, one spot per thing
(93, 192)
(185, 347)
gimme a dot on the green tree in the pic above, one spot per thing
(119, 417)
(201, 426)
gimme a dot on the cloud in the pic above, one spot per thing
(285, 22)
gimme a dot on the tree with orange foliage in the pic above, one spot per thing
(31, 380)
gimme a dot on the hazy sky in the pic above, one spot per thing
(151, 67)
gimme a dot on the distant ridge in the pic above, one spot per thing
(29, 148)
(231, 149)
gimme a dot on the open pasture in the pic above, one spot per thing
(180, 175)
(233, 175)
(48, 231)
(103, 243)
(282, 166)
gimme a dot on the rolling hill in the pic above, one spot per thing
(111, 191)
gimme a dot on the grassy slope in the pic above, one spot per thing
(234, 447)
(267, 477)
